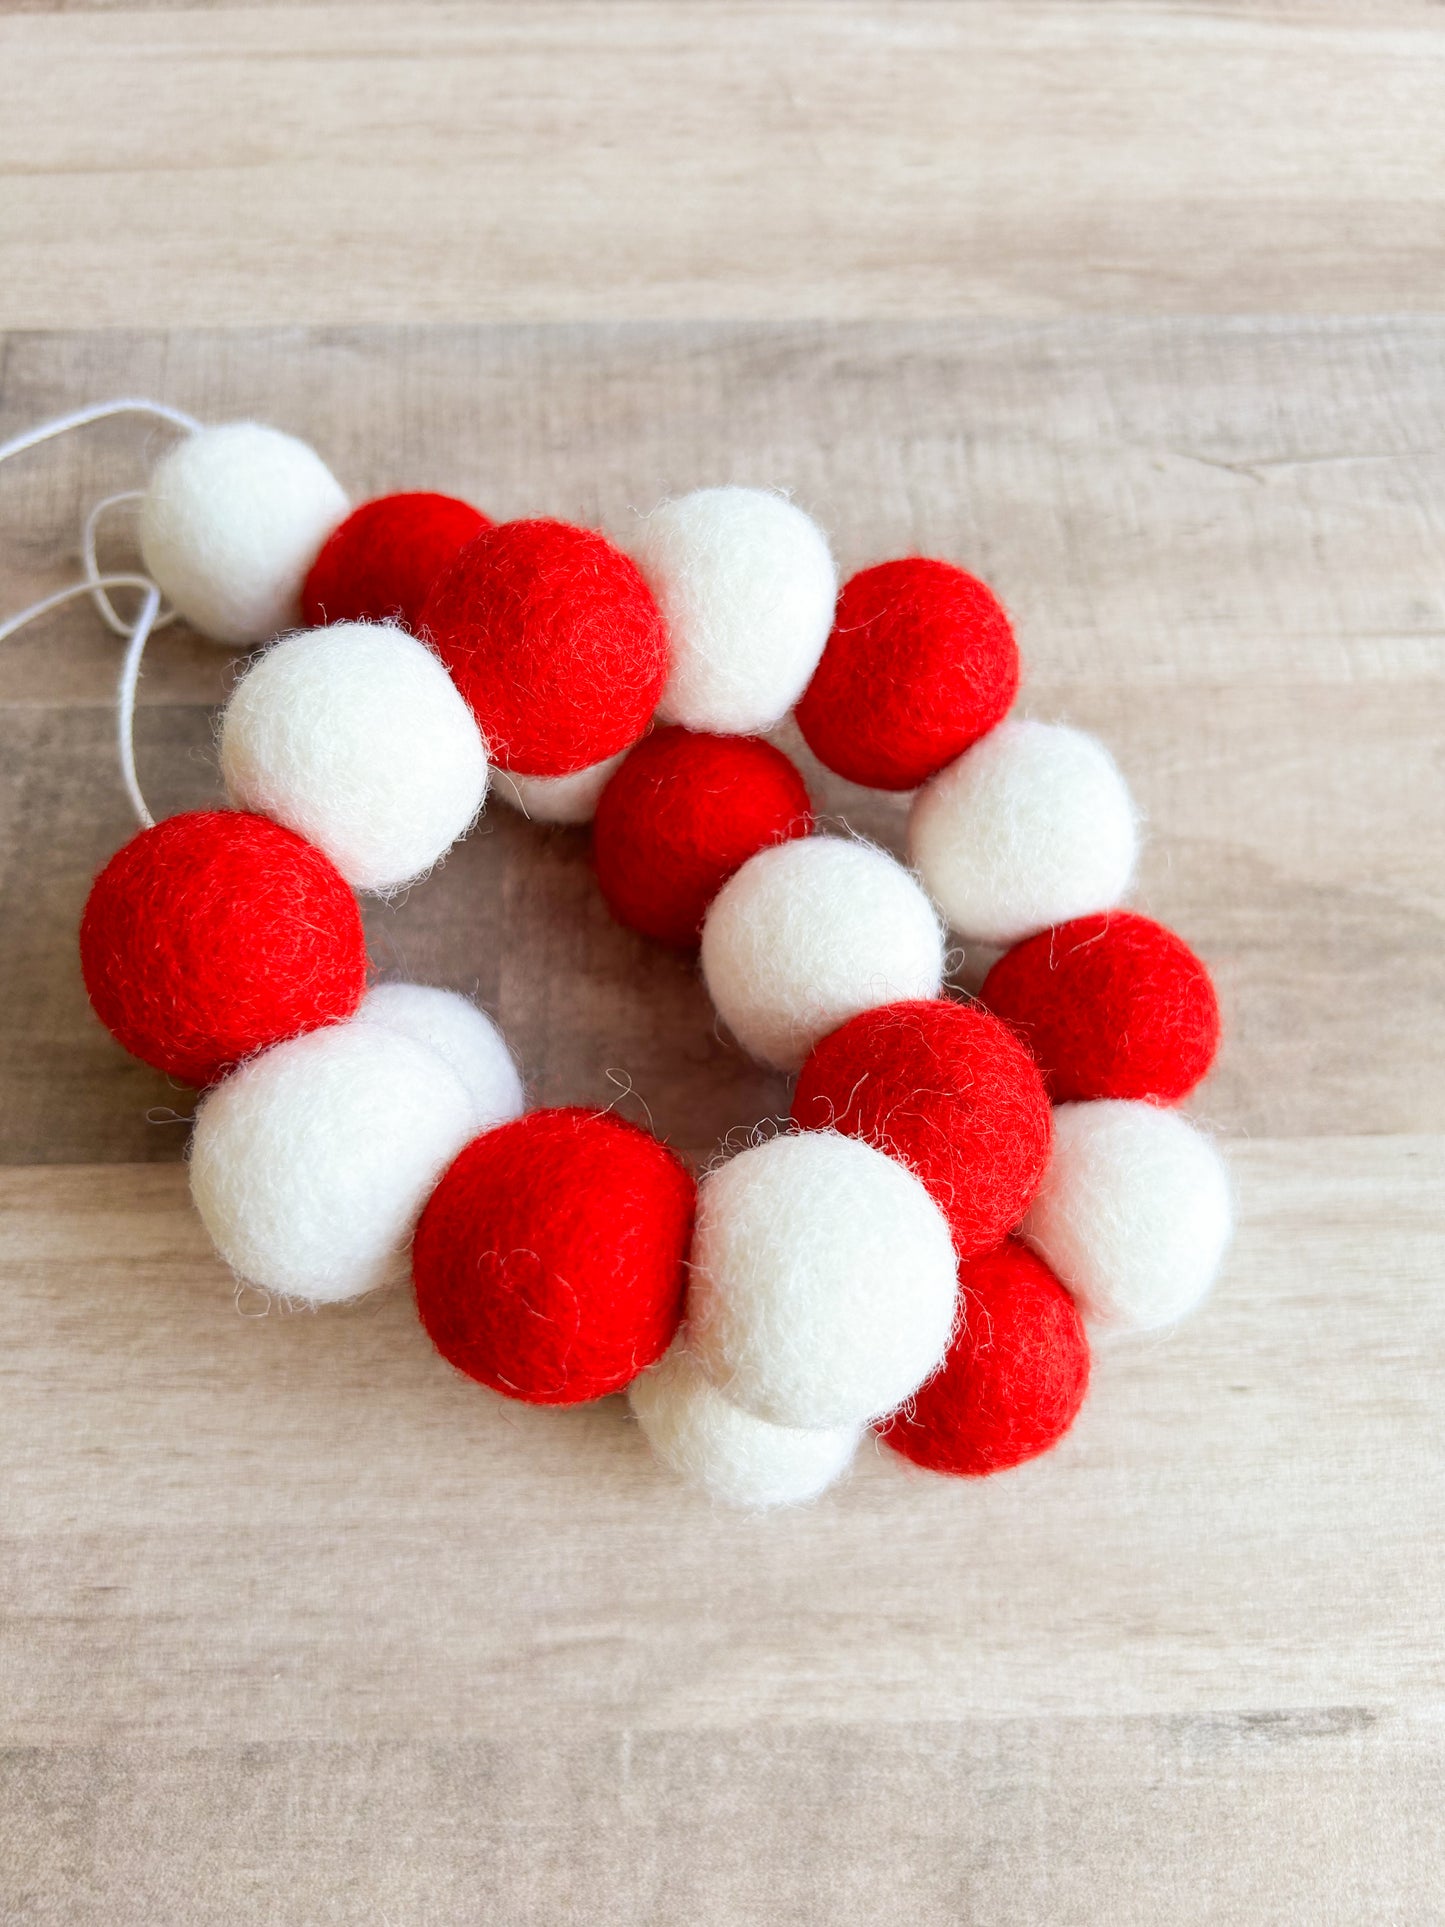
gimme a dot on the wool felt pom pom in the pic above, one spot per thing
(465, 1038)
(746, 586)
(726, 1452)
(381, 564)
(215, 934)
(568, 801)
(355, 737)
(310, 1163)
(554, 640)
(1134, 1213)
(823, 1281)
(950, 1092)
(683, 814)
(1111, 1006)
(1032, 826)
(809, 933)
(550, 1262)
(1015, 1375)
(231, 522)
(921, 663)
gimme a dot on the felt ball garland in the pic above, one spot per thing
(964, 1186)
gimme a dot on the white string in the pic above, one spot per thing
(105, 608)
(97, 411)
(139, 633)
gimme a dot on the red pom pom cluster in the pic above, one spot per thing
(551, 1252)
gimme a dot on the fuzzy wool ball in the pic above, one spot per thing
(381, 564)
(310, 1163)
(554, 640)
(1111, 1006)
(465, 1038)
(808, 934)
(684, 813)
(949, 1091)
(232, 520)
(215, 934)
(1015, 1375)
(550, 1263)
(566, 800)
(823, 1281)
(921, 662)
(1032, 826)
(355, 737)
(724, 1451)
(746, 585)
(1134, 1213)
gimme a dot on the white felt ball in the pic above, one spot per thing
(465, 1039)
(746, 585)
(558, 799)
(1134, 1213)
(1030, 827)
(232, 520)
(310, 1163)
(809, 933)
(355, 737)
(732, 1456)
(824, 1281)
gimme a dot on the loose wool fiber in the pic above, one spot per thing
(808, 934)
(231, 522)
(726, 1452)
(1030, 827)
(382, 563)
(683, 813)
(355, 737)
(921, 663)
(823, 1281)
(554, 640)
(215, 934)
(569, 801)
(1111, 1006)
(551, 1261)
(949, 1091)
(1015, 1375)
(1134, 1213)
(746, 586)
(310, 1163)
(465, 1038)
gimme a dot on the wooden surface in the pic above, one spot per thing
(297, 1627)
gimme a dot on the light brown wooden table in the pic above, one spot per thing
(1134, 308)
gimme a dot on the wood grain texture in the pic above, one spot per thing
(764, 158)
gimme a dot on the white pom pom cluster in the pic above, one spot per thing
(746, 585)
(232, 520)
(1134, 1213)
(311, 1163)
(823, 1278)
(355, 737)
(810, 933)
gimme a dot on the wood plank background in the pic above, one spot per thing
(1133, 309)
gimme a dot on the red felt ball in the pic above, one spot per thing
(949, 1091)
(681, 815)
(550, 1262)
(554, 639)
(383, 561)
(1112, 1005)
(921, 663)
(215, 934)
(1013, 1379)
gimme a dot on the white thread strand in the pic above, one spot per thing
(96, 412)
(139, 634)
(105, 608)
